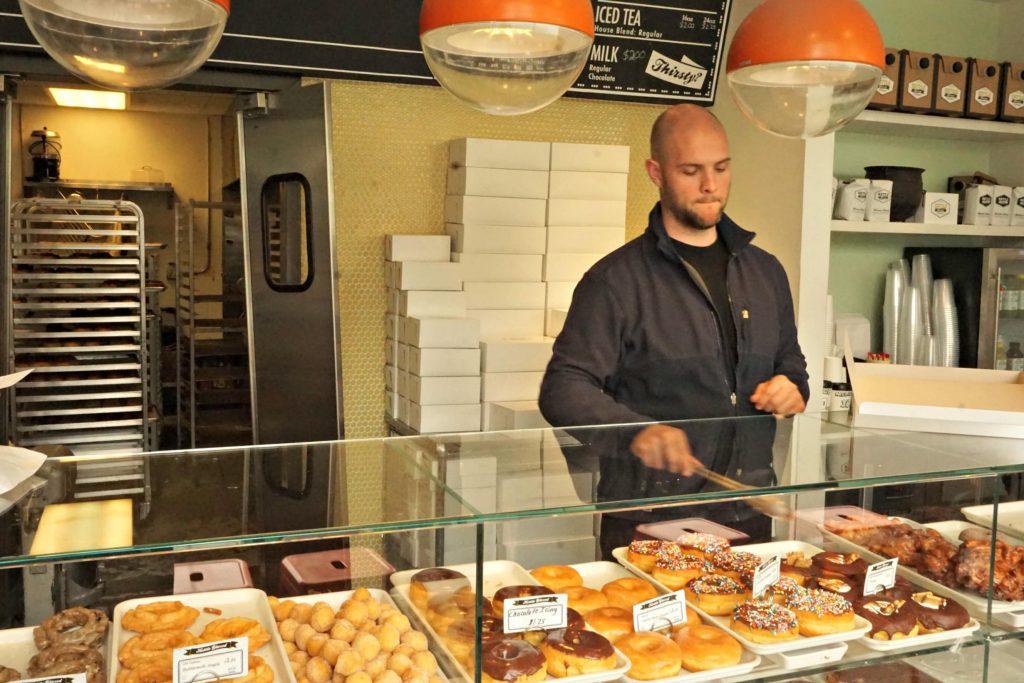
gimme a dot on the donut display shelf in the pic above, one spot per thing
(17, 647)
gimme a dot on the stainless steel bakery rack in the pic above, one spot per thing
(76, 316)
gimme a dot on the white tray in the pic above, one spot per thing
(240, 602)
(17, 647)
(764, 550)
(597, 574)
(1011, 517)
(497, 574)
(1011, 613)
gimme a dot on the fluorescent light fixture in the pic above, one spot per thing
(89, 99)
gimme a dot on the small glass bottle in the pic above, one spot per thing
(1001, 361)
(1009, 299)
(1015, 357)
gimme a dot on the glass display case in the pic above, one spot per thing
(339, 534)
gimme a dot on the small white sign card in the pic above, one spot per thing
(660, 612)
(68, 678)
(535, 613)
(880, 576)
(767, 575)
(211, 661)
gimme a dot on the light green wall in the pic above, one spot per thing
(967, 28)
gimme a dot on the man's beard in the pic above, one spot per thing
(690, 218)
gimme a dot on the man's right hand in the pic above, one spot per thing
(665, 448)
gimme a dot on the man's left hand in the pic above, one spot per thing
(778, 395)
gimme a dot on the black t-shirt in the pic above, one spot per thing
(711, 262)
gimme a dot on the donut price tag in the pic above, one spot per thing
(211, 661)
(880, 576)
(534, 613)
(660, 612)
(766, 575)
(69, 678)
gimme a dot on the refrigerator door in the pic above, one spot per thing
(1002, 316)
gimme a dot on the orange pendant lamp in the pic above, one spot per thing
(506, 57)
(128, 44)
(804, 68)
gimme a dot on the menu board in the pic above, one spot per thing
(644, 51)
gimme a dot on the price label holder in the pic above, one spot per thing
(660, 612)
(67, 678)
(218, 660)
(535, 613)
(766, 575)
(880, 576)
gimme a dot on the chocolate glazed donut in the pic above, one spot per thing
(937, 613)
(580, 643)
(890, 617)
(509, 660)
(523, 591)
(846, 564)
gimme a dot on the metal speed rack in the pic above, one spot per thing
(76, 316)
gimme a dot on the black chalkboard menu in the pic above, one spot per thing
(656, 51)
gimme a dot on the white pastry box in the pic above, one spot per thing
(940, 400)
(938, 207)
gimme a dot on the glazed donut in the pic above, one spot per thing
(890, 620)
(75, 626)
(675, 570)
(706, 647)
(574, 652)
(644, 553)
(821, 612)
(511, 661)
(844, 564)
(444, 609)
(427, 583)
(737, 565)
(557, 577)
(611, 622)
(701, 545)
(61, 660)
(7, 674)
(159, 616)
(522, 591)
(583, 599)
(155, 645)
(651, 655)
(460, 636)
(627, 592)
(764, 622)
(236, 627)
(935, 613)
(715, 595)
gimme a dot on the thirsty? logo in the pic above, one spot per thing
(1016, 99)
(687, 73)
(885, 86)
(984, 96)
(918, 89)
(940, 208)
(951, 94)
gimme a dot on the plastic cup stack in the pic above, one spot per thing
(944, 324)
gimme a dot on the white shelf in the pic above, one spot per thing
(941, 127)
(927, 229)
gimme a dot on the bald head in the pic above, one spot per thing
(681, 120)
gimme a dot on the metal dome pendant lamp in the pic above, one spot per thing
(804, 68)
(506, 57)
(128, 44)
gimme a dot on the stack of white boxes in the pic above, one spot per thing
(432, 376)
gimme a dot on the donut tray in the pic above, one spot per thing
(764, 550)
(497, 574)
(1011, 517)
(17, 647)
(240, 602)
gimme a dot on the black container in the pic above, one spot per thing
(907, 186)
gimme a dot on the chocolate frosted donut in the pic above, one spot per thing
(574, 619)
(523, 591)
(428, 583)
(581, 643)
(889, 617)
(438, 574)
(510, 660)
(845, 564)
(936, 613)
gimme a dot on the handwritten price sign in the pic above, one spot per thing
(542, 612)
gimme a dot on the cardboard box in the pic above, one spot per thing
(554, 319)
(417, 247)
(982, 88)
(426, 275)
(1017, 215)
(567, 156)
(976, 205)
(942, 400)
(513, 154)
(444, 418)
(434, 362)
(448, 333)
(1002, 205)
(391, 352)
(434, 391)
(559, 294)
(391, 377)
(505, 294)
(586, 212)
(879, 201)
(432, 304)
(938, 207)
(1011, 104)
(497, 182)
(571, 240)
(852, 199)
(510, 386)
(568, 267)
(587, 185)
(886, 94)
(500, 267)
(528, 354)
(950, 85)
(393, 326)
(917, 72)
(393, 300)
(497, 239)
(403, 358)
(510, 415)
(495, 210)
(507, 322)
(403, 383)
(403, 410)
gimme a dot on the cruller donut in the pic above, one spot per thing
(74, 626)
(236, 627)
(160, 616)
